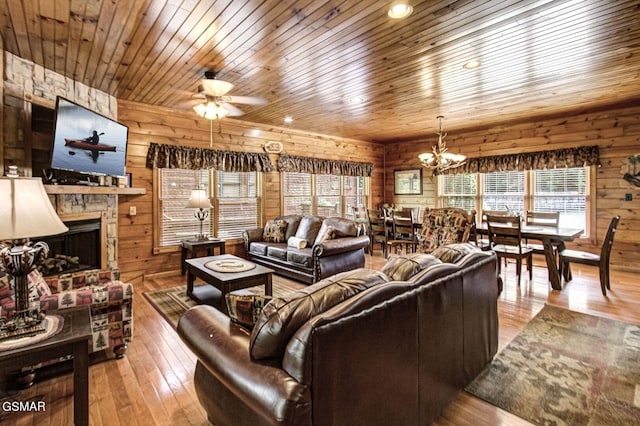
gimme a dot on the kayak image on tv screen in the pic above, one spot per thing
(88, 142)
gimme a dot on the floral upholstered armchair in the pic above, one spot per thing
(110, 301)
(442, 226)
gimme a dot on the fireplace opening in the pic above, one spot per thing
(76, 250)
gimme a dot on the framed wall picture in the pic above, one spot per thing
(407, 182)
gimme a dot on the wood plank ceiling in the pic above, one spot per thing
(309, 58)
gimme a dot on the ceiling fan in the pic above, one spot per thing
(215, 103)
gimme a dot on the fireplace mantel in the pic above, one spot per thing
(84, 189)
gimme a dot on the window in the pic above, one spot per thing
(458, 191)
(324, 195)
(565, 190)
(296, 190)
(356, 194)
(236, 202)
(503, 191)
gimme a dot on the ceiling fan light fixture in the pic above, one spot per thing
(471, 65)
(440, 159)
(215, 87)
(400, 10)
(210, 110)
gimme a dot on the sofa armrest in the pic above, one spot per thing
(251, 235)
(340, 245)
(223, 348)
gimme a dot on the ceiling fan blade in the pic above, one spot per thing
(232, 111)
(249, 100)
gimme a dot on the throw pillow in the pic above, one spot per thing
(329, 233)
(274, 231)
(401, 268)
(451, 253)
(280, 319)
(295, 242)
(244, 309)
(7, 304)
(37, 281)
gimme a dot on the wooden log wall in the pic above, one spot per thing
(160, 125)
(615, 130)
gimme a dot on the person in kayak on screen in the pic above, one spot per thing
(93, 139)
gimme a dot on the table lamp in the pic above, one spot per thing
(25, 212)
(200, 200)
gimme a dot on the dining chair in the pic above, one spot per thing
(361, 217)
(484, 243)
(549, 219)
(474, 236)
(486, 213)
(378, 232)
(506, 241)
(601, 261)
(403, 232)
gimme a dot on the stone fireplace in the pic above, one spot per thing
(92, 223)
(77, 249)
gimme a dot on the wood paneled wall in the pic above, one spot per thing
(615, 130)
(154, 124)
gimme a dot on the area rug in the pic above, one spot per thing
(567, 368)
(172, 302)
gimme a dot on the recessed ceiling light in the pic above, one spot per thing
(399, 10)
(471, 65)
(356, 100)
(288, 119)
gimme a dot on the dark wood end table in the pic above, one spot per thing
(226, 282)
(73, 339)
(190, 249)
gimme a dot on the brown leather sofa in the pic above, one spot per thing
(374, 351)
(321, 257)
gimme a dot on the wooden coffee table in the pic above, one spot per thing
(225, 282)
(191, 248)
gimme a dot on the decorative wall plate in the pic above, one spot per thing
(273, 147)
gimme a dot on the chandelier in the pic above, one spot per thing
(440, 159)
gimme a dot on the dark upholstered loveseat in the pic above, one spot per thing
(358, 348)
(332, 245)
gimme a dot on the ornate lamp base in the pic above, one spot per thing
(18, 259)
(25, 331)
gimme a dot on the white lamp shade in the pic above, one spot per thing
(199, 200)
(210, 110)
(26, 211)
(215, 87)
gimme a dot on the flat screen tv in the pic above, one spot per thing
(85, 141)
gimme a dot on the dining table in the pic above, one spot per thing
(550, 236)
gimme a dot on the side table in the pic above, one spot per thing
(73, 339)
(190, 249)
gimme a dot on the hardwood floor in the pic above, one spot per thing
(153, 384)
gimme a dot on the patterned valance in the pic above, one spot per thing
(566, 157)
(318, 166)
(182, 157)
